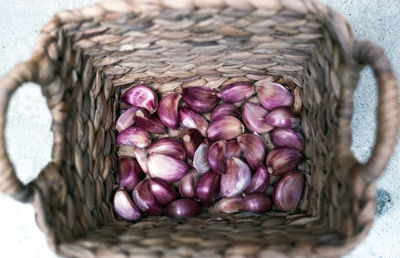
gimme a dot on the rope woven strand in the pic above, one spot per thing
(84, 59)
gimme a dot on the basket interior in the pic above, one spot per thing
(177, 48)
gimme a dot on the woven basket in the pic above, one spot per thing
(85, 59)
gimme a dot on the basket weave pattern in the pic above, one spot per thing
(85, 59)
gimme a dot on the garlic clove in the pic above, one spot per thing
(200, 161)
(225, 128)
(191, 140)
(192, 120)
(124, 206)
(126, 119)
(253, 148)
(273, 95)
(183, 208)
(200, 99)
(254, 118)
(134, 136)
(226, 205)
(169, 146)
(208, 188)
(281, 160)
(130, 173)
(166, 167)
(260, 181)
(282, 117)
(168, 110)
(141, 157)
(256, 202)
(141, 96)
(144, 199)
(287, 137)
(236, 179)
(225, 109)
(150, 123)
(217, 156)
(236, 92)
(288, 191)
(233, 149)
(163, 192)
(188, 184)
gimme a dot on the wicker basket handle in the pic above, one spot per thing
(30, 71)
(367, 52)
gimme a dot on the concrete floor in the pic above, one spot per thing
(29, 140)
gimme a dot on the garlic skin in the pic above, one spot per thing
(188, 184)
(208, 188)
(282, 117)
(273, 95)
(254, 118)
(145, 200)
(163, 192)
(236, 92)
(253, 148)
(124, 206)
(200, 159)
(192, 120)
(141, 96)
(134, 136)
(236, 179)
(256, 202)
(226, 205)
(288, 191)
(130, 173)
(225, 128)
(287, 137)
(167, 168)
(168, 110)
(126, 119)
(191, 141)
(281, 160)
(224, 109)
(217, 156)
(200, 99)
(260, 181)
(183, 208)
(169, 146)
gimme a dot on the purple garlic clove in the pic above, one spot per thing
(200, 161)
(281, 160)
(191, 140)
(163, 192)
(287, 137)
(256, 202)
(254, 118)
(188, 184)
(169, 146)
(225, 128)
(200, 99)
(134, 136)
(124, 206)
(145, 200)
(168, 110)
(126, 119)
(233, 149)
(208, 188)
(260, 181)
(192, 120)
(217, 156)
(253, 148)
(224, 109)
(130, 173)
(236, 179)
(141, 157)
(150, 123)
(273, 95)
(236, 92)
(226, 205)
(288, 191)
(141, 96)
(282, 117)
(183, 208)
(167, 168)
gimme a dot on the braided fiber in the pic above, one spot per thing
(85, 59)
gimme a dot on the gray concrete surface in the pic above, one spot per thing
(29, 140)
